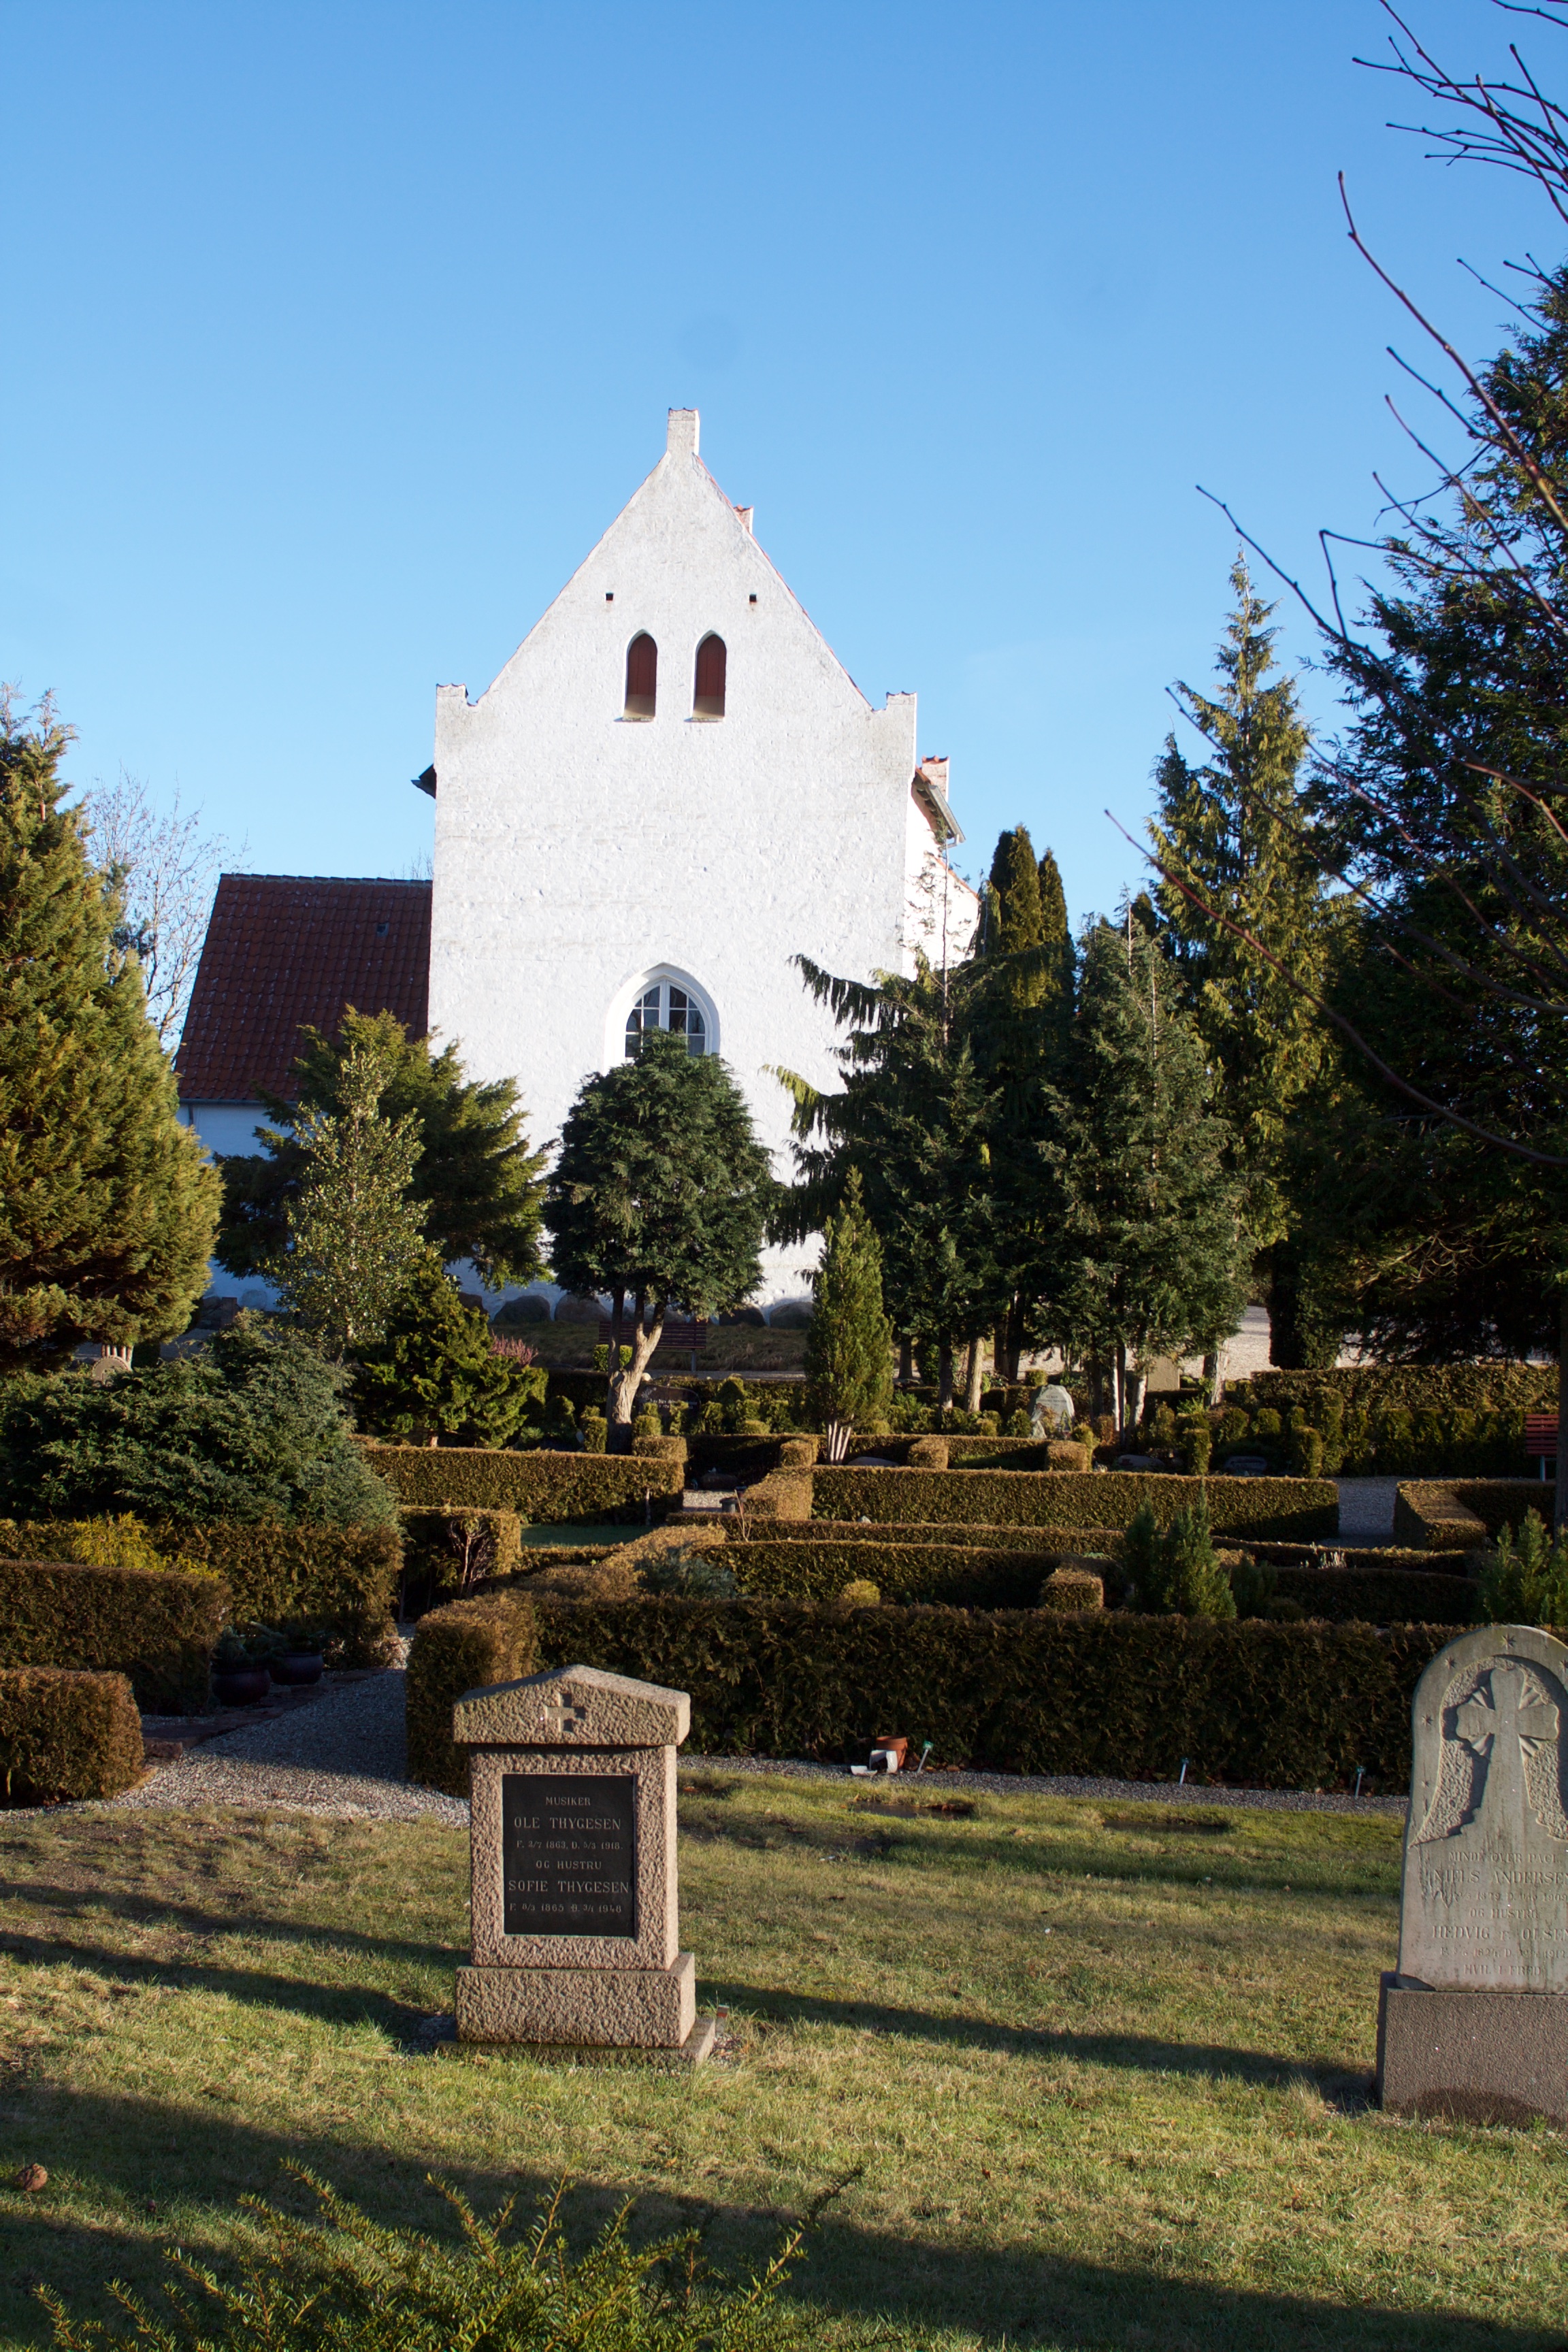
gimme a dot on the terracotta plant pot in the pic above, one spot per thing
(297, 1669)
(241, 1685)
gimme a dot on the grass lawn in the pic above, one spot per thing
(1088, 2081)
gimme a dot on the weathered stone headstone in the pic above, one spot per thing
(1474, 2022)
(575, 1924)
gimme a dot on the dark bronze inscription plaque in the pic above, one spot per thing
(569, 1853)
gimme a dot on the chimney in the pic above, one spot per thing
(682, 441)
(937, 771)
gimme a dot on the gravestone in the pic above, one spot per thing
(1474, 2022)
(572, 1837)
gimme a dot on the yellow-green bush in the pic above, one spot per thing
(546, 1489)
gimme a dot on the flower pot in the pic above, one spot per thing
(297, 1669)
(241, 1685)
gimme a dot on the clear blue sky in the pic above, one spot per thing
(338, 333)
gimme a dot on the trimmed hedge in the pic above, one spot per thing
(1409, 1421)
(544, 1489)
(344, 1578)
(1399, 1596)
(1295, 1508)
(152, 1625)
(1247, 1702)
(456, 1649)
(968, 1577)
(66, 1735)
(1461, 1515)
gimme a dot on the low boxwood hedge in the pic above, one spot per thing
(968, 1576)
(66, 1735)
(456, 1649)
(344, 1578)
(1298, 1509)
(1463, 1514)
(545, 1488)
(153, 1626)
(1249, 1702)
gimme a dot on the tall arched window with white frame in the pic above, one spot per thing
(665, 1005)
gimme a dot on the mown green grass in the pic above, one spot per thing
(1083, 2085)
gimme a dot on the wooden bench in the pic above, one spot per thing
(690, 1336)
(1540, 1437)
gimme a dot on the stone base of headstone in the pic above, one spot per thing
(1479, 2057)
(625, 2009)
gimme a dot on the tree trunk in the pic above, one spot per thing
(999, 1355)
(1559, 1510)
(973, 1371)
(1211, 1376)
(1120, 1387)
(1133, 1381)
(906, 1359)
(623, 1386)
(839, 1433)
(1009, 1365)
(945, 1376)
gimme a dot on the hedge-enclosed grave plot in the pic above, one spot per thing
(1296, 1510)
(540, 1486)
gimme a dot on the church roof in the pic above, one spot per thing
(287, 951)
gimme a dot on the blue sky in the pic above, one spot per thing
(340, 332)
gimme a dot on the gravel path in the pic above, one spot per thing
(1366, 1509)
(346, 1758)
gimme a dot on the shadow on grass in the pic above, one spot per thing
(347, 2004)
(1138, 2052)
(144, 2159)
(153, 1912)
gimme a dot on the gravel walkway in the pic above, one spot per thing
(344, 1758)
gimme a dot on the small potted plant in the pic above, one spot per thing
(240, 1675)
(301, 1660)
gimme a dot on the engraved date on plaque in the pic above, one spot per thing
(569, 1853)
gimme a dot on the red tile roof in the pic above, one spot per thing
(283, 949)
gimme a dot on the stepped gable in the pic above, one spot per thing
(285, 951)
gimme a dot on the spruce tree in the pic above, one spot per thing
(1015, 897)
(106, 1206)
(849, 1349)
(478, 1186)
(660, 1196)
(436, 1372)
(1233, 829)
(353, 1235)
(1055, 939)
(1154, 1252)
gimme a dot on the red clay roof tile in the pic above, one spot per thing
(286, 949)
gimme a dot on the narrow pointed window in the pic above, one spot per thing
(642, 677)
(708, 700)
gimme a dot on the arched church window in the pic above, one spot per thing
(642, 676)
(708, 700)
(665, 1005)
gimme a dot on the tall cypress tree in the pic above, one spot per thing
(1233, 830)
(1016, 885)
(106, 1206)
(848, 1349)
(1155, 1253)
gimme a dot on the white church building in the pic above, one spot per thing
(671, 790)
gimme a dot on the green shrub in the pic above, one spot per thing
(1266, 1425)
(462, 1647)
(118, 1542)
(251, 1429)
(595, 1431)
(1297, 1510)
(1197, 1441)
(343, 1577)
(1175, 1570)
(157, 1627)
(348, 2282)
(1524, 1579)
(965, 1575)
(647, 1424)
(546, 1489)
(1072, 1587)
(861, 1593)
(1090, 1693)
(698, 1575)
(66, 1735)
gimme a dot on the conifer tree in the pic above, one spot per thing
(849, 1349)
(436, 1372)
(660, 1196)
(355, 1236)
(1155, 1256)
(1055, 939)
(106, 1206)
(1233, 830)
(478, 1186)
(1015, 897)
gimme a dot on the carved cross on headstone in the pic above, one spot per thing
(565, 1715)
(1498, 1728)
